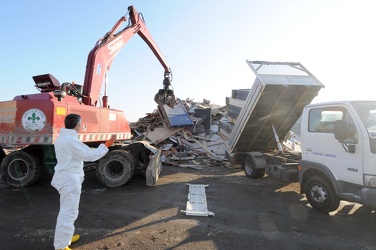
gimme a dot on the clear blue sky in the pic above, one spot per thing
(205, 42)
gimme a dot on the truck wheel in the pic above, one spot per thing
(250, 169)
(320, 194)
(20, 169)
(115, 169)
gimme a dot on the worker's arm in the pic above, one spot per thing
(110, 141)
(82, 152)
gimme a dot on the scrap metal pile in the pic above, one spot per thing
(195, 145)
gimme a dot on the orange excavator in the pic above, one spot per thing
(30, 123)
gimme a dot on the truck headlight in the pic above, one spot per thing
(370, 180)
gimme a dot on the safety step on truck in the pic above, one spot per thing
(337, 160)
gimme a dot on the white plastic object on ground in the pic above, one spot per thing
(196, 204)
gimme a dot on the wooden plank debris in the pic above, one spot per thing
(191, 147)
(160, 134)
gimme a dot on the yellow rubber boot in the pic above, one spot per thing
(75, 238)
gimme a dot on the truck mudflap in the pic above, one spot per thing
(154, 167)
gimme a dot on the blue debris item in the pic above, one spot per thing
(176, 117)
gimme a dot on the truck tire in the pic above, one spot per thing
(115, 169)
(20, 169)
(250, 169)
(320, 194)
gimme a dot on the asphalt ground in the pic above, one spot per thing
(248, 214)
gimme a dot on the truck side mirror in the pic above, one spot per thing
(341, 134)
(340, 130)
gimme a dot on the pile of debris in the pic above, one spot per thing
(195, 145)
(197, 133)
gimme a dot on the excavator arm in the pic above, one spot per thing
(101, 56)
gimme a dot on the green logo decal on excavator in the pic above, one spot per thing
(33, 120)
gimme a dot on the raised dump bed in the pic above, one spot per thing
(277, 97)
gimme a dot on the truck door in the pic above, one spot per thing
(320, 145)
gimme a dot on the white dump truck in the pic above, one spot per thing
(337, 160)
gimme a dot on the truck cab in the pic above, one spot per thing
(338, 162)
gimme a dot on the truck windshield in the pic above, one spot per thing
(367, 112)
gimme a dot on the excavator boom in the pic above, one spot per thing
(101, 56)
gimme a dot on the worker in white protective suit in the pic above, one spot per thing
(69, 175)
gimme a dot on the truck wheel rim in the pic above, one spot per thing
(115, 169)
(18, 169)
(248, 170)
(319, 194)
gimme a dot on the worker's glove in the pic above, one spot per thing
(110, 141)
